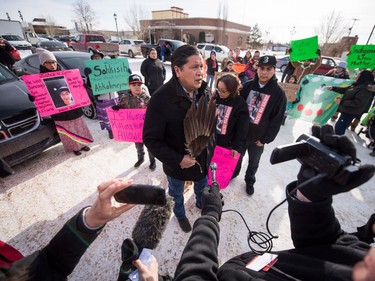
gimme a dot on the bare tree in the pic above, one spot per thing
(84, 15)
(133, 16)
(222, 13)
(332, 28)
(50, 26)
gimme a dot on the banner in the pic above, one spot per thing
(127, 124)
(239, 67)
(57, 91)
(108, 75)
(290, 90)
(304, 49)
(315, 103)
(361, 56)
(226, 165)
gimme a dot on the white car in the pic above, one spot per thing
(130, 47)
(18, 42)
(206, 48)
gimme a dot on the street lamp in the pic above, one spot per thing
(115, 16)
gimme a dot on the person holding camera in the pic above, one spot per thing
(323, 251)
(58, 259)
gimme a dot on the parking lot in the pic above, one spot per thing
(47, 190)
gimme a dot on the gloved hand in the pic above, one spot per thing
(116, 107)
(31, 98)
(87, 71)
(212, 204)
(347, 178)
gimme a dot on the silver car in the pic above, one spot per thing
(130, 47)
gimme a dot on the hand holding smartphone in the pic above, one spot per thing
(142, 194)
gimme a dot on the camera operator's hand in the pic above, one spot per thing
(212, 204)
(148, 272)
(346, 179)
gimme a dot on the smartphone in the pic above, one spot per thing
(142, 194)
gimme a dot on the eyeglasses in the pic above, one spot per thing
(50, 62)
(221, 91)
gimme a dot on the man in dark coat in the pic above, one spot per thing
(153, 71)
(163, 131)
(266, 103)
(6, 57)
(323, 251)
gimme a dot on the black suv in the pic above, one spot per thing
(23, 133)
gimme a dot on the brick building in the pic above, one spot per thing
(176, 24)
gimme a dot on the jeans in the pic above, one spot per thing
(176, 190)
(210, 80)
(343, 123)
(254, 153)
(141, 152)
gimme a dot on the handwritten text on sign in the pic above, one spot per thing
(127, 124)
(226, 165)
(108, 75)
(304, 49)
(44, 99)
(361, 56)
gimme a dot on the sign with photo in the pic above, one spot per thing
(58, 91)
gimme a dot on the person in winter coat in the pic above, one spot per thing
(153, 71)
(73, 131)
(339, 71)
(6, 57)
(266, 103)
(355, 99)
(212, 67)
(322, 250)
(229, 67)
(57, 260)
(163, 131)
(103, 100)
(305, 67)
(231, 131)
(137, 97)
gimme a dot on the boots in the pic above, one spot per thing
(139, 162)
(354, 124)
(110, 134)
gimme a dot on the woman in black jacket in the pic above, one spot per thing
(73, 131)
(232, 123)
(153, 71)
(354, 100)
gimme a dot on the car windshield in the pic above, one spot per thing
(12, 37)
(75, 62)
(138, 42)
(5, 75)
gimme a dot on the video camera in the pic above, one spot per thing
(310, 151)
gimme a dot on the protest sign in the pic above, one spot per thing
(361, 56)
(57, 91)
(226, 165)
(108, 75)
(315, 103)
(127, 124)
(290, 91)
(239, 67)
(304, 49)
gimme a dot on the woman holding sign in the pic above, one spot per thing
(73, 131)
(232, 123)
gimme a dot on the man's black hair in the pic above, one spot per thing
(181, 54)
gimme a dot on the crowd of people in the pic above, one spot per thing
(250, 113)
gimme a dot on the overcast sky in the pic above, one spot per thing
(276, 18)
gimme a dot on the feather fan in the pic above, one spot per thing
(199, 125)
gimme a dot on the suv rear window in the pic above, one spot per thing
(95, 38)
(138, 42)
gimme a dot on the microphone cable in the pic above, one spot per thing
(264, 241)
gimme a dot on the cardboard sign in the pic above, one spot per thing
(108, 75)
(361, 56)
(290, 90)
(226, 165)
(304, 49)
(127, 124)
(317, 104)
(57, 92)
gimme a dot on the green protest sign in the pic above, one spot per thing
(304, 49)
(361, 56)
(108, 75)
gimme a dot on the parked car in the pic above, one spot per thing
(23, 133)
(327, 64)
(206, 48)
(131, 47)
(53, 46)
(88, 42)
(66, 60)
(173, 45)
(18, 42)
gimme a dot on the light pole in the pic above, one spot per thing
(350, 28)
(292, 32)
(19, 12)
(115, 16)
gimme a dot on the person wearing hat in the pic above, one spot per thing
(65, 95)
(153, 71)
(137, 97)
(265, 117)
(102, 101)
(73, 131)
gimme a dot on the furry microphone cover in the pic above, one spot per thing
(151, 225)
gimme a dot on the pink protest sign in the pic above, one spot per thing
(226, 165)
(127, 124)
(57, 92)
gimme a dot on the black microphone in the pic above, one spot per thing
(147, 233)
